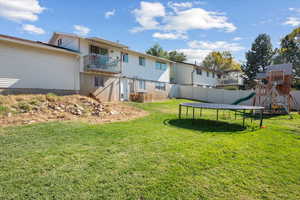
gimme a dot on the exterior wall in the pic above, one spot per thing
(185, 74)
(110, 91)
(182, 73)
(24, 66)
(156, 95)
(205, 80)
(132, 69)
(68, 42)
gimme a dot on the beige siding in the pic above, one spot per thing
(110, 91)
(23, 66)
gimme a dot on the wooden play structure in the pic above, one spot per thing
(273, 89)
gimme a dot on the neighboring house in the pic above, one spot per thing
(231, 78)
(35, 67)
(191, 74)
(111, 71)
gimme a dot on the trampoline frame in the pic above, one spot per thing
(217, 107)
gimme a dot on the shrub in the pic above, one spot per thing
(51, 97)
(24, 106)
(3, 109)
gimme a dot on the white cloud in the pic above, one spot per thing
(218, 45)
(169, 36)
(237, 39)
(20, 10)
(153, 16)
(81, 30)
(292, 21)
(109, 14)
(182, 5)
(32, 29)
(194, 55)
(147, 16)
(295, 10)
(198, 18)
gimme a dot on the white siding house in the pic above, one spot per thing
(28, 65)
(190, 74)
(122, 71)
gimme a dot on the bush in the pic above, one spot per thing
(24, 106)
(3, 109)
(51, 97)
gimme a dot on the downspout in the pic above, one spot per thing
(192, 78)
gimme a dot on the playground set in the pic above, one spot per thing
(273, 89)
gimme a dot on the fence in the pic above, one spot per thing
(219, 95)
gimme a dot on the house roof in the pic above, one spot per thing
(199, 67)
(123, 48)
(149, 56)
(95, 39)
(35, 44)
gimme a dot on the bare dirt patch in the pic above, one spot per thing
(29, 109)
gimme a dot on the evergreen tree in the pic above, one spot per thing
(176, 56)
(258, 58)
(158, 51)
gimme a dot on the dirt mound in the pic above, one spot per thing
(28, 109)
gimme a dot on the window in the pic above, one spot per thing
(142, 61)
(160, 86)
(59, 42)
(125, 57)
(160, 66)
(98, 50)
(199, 71)
(142, 85)
(99, 81)
(207, 74)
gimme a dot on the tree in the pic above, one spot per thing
(220, 61)
(290, 50)
(158, 51)
(176, 56)
(258, 58)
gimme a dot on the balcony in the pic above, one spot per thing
(230, 82)
(101, 63)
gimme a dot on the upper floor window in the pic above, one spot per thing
(142, 61)
(142, 85)
(207, 74)
(98, 50)
(125, 57)
(59, 42)
(199, 71)
(160, 66)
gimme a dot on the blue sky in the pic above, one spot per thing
(192, 27)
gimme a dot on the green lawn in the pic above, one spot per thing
(155, 157)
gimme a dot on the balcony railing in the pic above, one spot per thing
(230, 82)
(101, 63)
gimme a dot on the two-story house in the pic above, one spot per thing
(111, 71)
(191, 74)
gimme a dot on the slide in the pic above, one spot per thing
(244, 99)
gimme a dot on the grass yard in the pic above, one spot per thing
(155, 157)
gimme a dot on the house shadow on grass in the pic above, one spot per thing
(205, 125)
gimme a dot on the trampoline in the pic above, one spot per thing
(217, 107)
